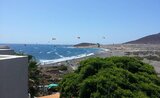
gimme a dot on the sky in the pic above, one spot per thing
(38, 21)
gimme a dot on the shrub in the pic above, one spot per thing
(62, 67)
(111, 77)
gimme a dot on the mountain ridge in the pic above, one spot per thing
(150, 39)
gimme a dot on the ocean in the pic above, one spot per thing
(53, 53)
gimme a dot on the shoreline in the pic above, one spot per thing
(48, 62)
(141, 51)
(73, 61)
(113, 50)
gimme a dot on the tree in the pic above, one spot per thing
(34, 76)
(111, 77)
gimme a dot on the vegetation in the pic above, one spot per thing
(115, 77)
(61, 67)
(34, 76)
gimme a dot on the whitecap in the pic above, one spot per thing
(49, 52)
(105, 49)
(59, 54)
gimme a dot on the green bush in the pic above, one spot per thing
(34, 76)
(62, 67)
(114, 77)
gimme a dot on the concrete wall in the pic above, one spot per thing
(13, 76)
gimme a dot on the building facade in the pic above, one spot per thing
(13, 76)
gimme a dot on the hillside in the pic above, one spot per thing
(84, 44)
(151, 39)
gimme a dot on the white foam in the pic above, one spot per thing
(59, 55)
(43, 62)
(104, 49)
(49, 52)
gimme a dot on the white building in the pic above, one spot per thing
(13, 76)
(5, 50)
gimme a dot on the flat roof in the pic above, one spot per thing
(4, 57)
(5, 49)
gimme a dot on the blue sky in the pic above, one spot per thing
(37, 21)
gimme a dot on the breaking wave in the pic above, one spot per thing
(43, 62)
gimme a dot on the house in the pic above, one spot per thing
(5, 50)
(13, 75)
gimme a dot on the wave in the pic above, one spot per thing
(59, 54)
(43, 62)
(104, 49)
(49, 52)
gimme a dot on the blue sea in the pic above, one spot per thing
(53, 53)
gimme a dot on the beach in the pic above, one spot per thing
(115, 50)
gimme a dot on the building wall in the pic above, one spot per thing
(6, 52)
(14, 77)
